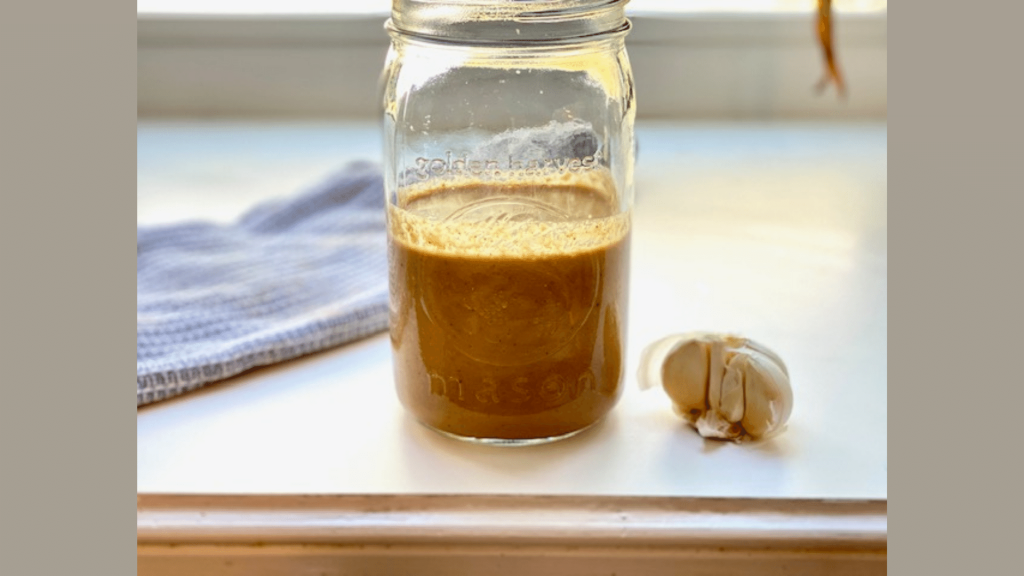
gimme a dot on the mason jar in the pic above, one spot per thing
(508, 169)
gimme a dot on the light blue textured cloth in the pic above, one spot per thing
(288, 278)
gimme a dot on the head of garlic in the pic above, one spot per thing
(726, 386)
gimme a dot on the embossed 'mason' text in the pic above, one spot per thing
(553, 390)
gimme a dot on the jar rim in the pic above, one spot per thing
(508, 22)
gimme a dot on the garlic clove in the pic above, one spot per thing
(716, 370)
(772, 356)
(685, 376)
(769, 398)
(725, 394)
(730, 403)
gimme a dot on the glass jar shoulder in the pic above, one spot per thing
(600, 68)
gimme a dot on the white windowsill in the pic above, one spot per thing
(774, 230)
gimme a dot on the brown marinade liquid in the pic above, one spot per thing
(504, 327)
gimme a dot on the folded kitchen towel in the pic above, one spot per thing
(288, 278)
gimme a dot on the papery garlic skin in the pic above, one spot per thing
(726, 386)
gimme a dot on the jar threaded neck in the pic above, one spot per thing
(508, 21)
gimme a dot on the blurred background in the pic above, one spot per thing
(239, 102)
(692, 59)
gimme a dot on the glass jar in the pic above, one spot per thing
(508, 168)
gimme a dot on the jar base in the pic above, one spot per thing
(509, 441)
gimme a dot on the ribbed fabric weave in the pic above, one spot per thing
(288, 278)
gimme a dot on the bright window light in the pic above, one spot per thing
(368, 7)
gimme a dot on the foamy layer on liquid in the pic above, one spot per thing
(424, 222)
